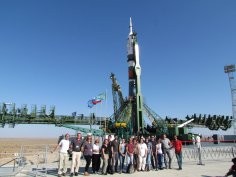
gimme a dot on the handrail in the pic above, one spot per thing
(8, 162)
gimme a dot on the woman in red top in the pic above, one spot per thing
(130, 155)
(177, 144)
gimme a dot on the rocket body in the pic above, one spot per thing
(134, 73)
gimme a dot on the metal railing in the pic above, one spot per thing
(30, 160)
(37, 160)
(11, 167)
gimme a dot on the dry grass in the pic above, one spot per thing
(34, 149)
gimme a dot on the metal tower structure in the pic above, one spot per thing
(118, 99)
(11, 115)
(230, 69)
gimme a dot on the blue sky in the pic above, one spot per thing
(62, 53)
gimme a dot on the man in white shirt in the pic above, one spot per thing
(63, 155)
(199, 147)
(142, 154)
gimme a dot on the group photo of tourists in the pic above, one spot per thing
(111, 154)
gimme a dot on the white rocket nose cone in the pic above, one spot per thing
(130, 26)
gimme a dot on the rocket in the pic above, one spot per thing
(134, 75)
(133, 62)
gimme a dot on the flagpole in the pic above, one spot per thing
(106, 110)
(90, 119)
(100, 116)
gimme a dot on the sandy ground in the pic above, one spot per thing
(32, 148)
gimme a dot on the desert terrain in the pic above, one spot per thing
(33, 149)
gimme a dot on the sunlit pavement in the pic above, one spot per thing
(190, 169)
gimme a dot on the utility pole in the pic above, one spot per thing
(229, 69)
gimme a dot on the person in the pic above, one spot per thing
(87, 151)
(142, 154)
(64, 145)
(96, 161)
(193, 139)
(199, 147)
(105, 156)
(76, 144)
(136, 152)
(130, 155)
(110, 159)
(122, 153)
(177, 144)
(153, 157)
(166, 146)
(149, 153)
(232, 170)
(115, 155)
(159, 154)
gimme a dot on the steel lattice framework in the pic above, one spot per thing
(230, 69)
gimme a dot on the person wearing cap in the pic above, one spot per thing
(63, 155)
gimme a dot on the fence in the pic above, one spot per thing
(36, 160)
(27, 159)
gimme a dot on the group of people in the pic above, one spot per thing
(139, 153)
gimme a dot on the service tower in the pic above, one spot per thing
(134, 73)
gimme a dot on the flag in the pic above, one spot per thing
(96, 101)
(90, 103)
(101, 96)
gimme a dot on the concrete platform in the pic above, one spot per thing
(190, 169)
